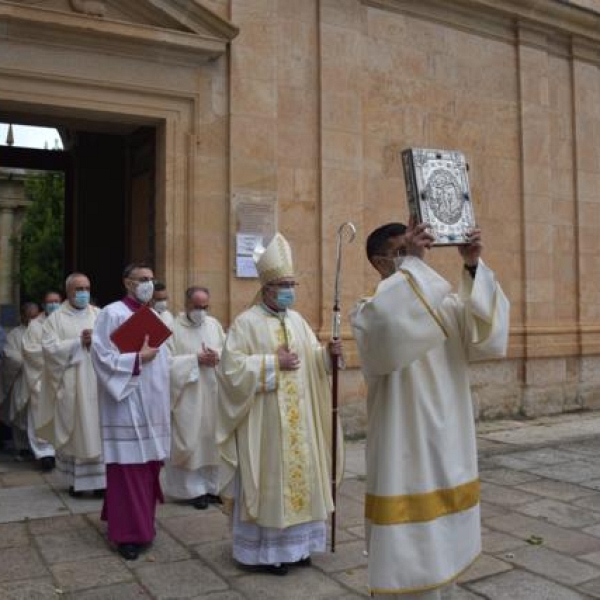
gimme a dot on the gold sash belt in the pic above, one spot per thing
(418, 508)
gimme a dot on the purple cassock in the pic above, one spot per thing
(136, 431)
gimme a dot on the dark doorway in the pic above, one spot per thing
(95, 213)
(109, 199)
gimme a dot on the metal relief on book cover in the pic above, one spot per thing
(438, 193)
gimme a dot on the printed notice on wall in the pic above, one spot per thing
(245, 267)
(255, 227)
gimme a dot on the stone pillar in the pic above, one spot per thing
(6, 253)
(586, 124)
(550, 217)
(12, 206)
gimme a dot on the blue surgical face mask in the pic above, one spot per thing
(82, 298)
(50, 307)
(285, 297)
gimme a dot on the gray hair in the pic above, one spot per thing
(69, 279)
(189, 293)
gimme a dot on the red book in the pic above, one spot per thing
(129, 336)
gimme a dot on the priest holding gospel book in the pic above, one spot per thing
(133, 393)
(416, 337)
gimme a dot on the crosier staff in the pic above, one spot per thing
(336, 322)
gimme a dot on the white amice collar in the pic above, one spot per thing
(276, 313)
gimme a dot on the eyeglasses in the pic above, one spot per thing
(284, 284)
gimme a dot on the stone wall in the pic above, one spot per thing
(326, 94)
(311, 104)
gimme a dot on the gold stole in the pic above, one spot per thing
(295, 458)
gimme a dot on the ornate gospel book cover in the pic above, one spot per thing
(437, 188)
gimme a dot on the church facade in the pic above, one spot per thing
(191, 126)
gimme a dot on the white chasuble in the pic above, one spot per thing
(415, 339)
(33, 366)
(275, 426)
(193, 393)
(167, 318)
(16, 390)
(70, 384)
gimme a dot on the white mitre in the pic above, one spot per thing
(275, 261)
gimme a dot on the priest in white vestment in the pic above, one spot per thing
(274, 425)
(192, 471)
(160, 303)
(70, 414)
(16, 392)
(415, 338)
(133, 391)
(33, 366)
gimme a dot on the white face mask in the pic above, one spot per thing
(144, 291)
(398, 260)
(197, 316)
(160, 306)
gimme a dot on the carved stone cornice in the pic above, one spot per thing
(585, 50)
(552, 24)
(555, 15)
(455, 14)
(201, 32)
(195, 16)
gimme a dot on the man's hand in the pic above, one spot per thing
(336, 352)
(335, 347)
(472, 251)
(147, 353)
(86, 338)
(208, 357)
(288, 361)
(418, 238)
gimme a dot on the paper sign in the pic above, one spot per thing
(246, 243)
(256, 224)
(245, 267)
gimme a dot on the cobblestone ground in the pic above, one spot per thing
(541, 532)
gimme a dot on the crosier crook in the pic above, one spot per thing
(335, 330)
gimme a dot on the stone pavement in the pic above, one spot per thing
(540, 511)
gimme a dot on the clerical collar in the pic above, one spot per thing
(276, 313)
(132, 303)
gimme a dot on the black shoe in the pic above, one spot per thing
(280, 570)
(275, 569)
(303, 562)
(129, 551)
(201, 502)
(47, 463)
(214, 499)
(74, 494)
(98, 493)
